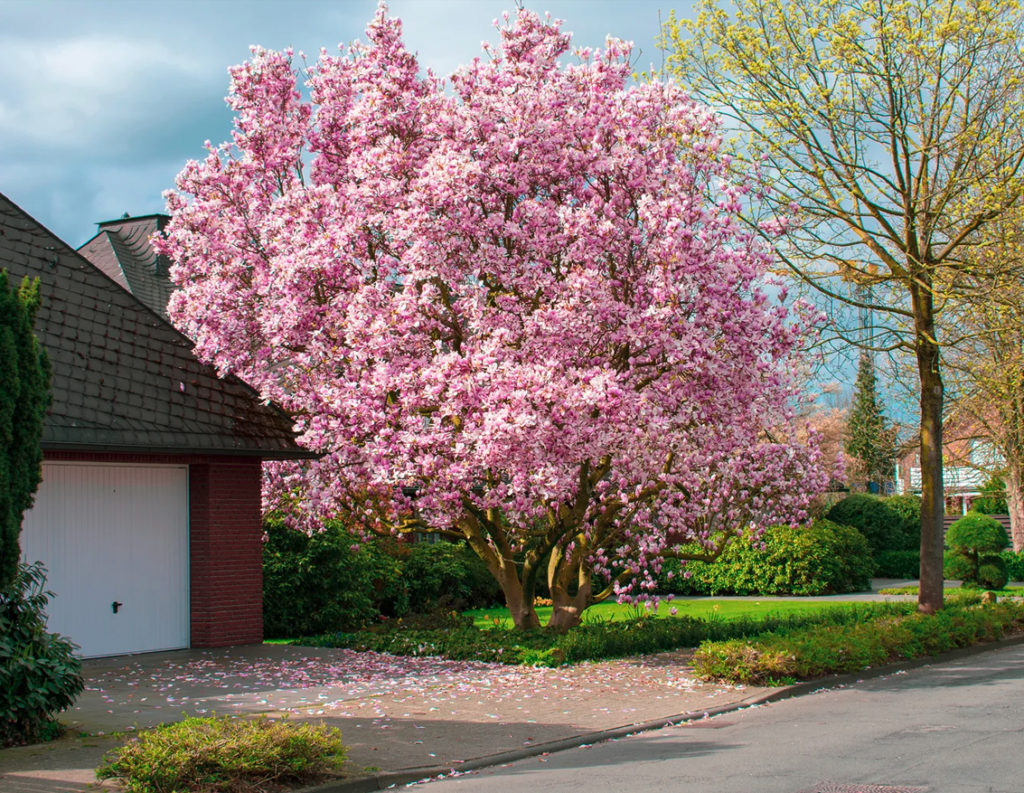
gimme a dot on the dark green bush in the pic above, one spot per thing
(898, 564)
(820, 559)
(336, 581)
(817, 651)
(448, 576)
(908, 507)
(892, 524)
(223, 754)
(1014, 564)
(325, 582)
(39, 674)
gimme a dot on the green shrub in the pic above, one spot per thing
(898, 564)
(892, 524)
(1014, 564)
(39, 674)
(908, 508)
(224, 754)
(448, 576)
(831, 649)
(328, 581)
(820, 559)
(976, 538)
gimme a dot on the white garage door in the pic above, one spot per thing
(115, 541)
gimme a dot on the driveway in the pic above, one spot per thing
(395, 713)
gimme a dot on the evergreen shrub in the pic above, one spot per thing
(1014, 561)
(993, 498)
(334, 580)
(39, 673)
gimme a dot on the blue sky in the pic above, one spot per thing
(103, 101)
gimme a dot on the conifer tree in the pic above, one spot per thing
(869, 439)
(24, 398)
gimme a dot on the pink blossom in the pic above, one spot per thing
(501, 298)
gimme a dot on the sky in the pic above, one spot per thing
(103, 101)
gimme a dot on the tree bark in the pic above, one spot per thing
(567, 610)
(520, 604)
(1015, 506)
(932, 495)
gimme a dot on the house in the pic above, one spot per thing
(148, 516)
(968, 461)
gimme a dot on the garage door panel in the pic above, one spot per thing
(114, 534)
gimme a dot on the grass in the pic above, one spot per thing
(700, 608)
(911, 589)
(455, 636)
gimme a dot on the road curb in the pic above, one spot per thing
(390, 779)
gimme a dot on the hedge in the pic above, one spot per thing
(821, 559)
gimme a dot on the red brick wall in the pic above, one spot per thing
(225, 542)
(226, 553)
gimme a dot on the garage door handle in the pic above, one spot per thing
(115, 606)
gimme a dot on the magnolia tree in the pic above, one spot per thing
(502, 307)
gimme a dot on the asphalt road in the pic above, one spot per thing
(956, 726)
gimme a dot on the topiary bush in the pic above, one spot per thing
(992, 572)
(39, 673)
(892, 524)
(977, 539)
(225, 754)
(823, 558)
(956, 567)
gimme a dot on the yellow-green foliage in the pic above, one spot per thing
(224, 754)
(822, 650)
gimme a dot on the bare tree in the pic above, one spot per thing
(890, 136)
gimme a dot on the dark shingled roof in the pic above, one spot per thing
(123, 378)
(121, 249)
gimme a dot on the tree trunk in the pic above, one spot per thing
(566, 610)
(1015, 506)
(932, 497)
(520, 603)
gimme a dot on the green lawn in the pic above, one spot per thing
(703, 607)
